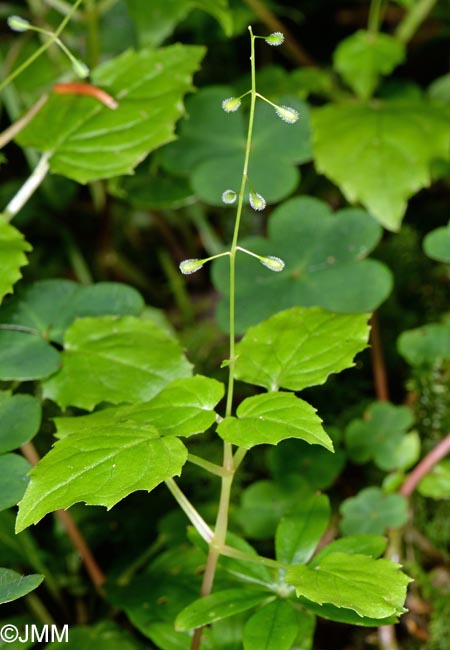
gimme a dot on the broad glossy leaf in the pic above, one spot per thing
(156, 21)
(272, 627)
(219, 605)
(425, 345)
(374, 588)
(105, 635)
(13, 479)
(300, 347)
(313, 463)
(89, 141)
(298, 535)
(183, 408)
(437, 244)
(272, 417)
(14, 586)
(99, 469)
(115, 360)
(25, 356)
(50, 306)
(380, 154)
(378, 435)
(211, 146)
(325, 255)
(264, 503)
(372, 545)
(371, 511)
(12, 256)
(436, 484)
(20, 419)
(362, 58)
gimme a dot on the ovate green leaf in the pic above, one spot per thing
(374, 588)
(425, 345)
(298, 535)
(25, 356)
(272, 627)
(89, 141)
(99, 468)
(183, 408)
(12, 256)
(14, 586)
(372, 545)
(362, 58)
(271, 417)
(115, 360)
(436, 484)
(105, 635)
(217, 606)
(300, 347)
(380, 154)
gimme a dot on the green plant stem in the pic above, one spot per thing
(177, 286)
(91, 16)
(206, 464)
(373, 24)
(413, 19)
(15, 73)
(221, 526)
(229, 551)
(194, 517)
(29, 187)
(38, 609)
(8, 134)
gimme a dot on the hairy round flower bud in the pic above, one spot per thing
(190, 266)
(273, 263)
(288, 114)
(275, 39)
(257, 201)
(231, 104)
(229, 197)
(18, 24)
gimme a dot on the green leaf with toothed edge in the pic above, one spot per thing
(13, 247)
(272, 417)
(89, 141)
(99, 468)
(373, 588)
(300, 347)
(110, 359)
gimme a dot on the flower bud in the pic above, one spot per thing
(275, 39)
(288, 114)
(231, 104)
(18, 24)
(273, 263)
(229, 197)
(257, 201)
(190, 266)
(80, 68)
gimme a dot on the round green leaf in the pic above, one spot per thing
(272, 417)
(425, 345)
(14, 586)
(436, 484)
(25, 356)
(272, 627)
(20, 419)
(372, 511)
(13, 479)
(300, 347)
(437, 244)
(325, 262)
(379, 434)
(115, 360)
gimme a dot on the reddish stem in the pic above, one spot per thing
(92, 568)
(378, 364)
(425, 465)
